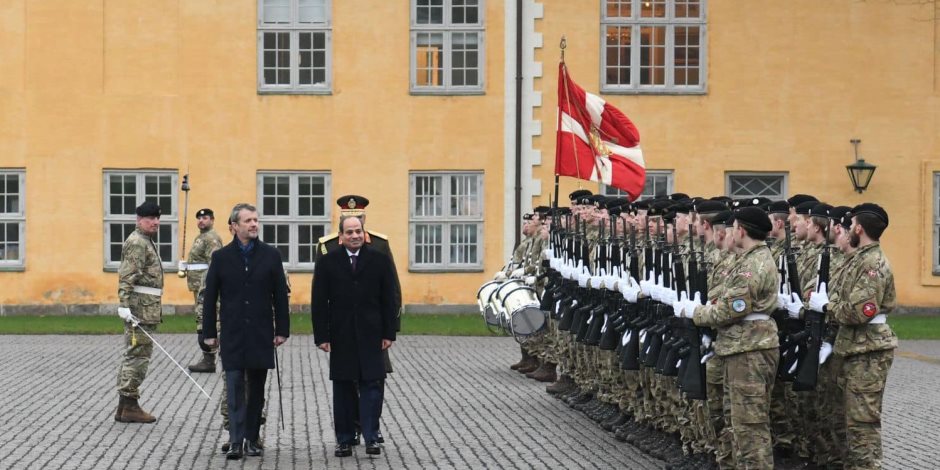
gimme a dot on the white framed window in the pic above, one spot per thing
(295, 46)
(294, 213)
(741, 185)
(12, 219)
(936, 223)
(655, 46)
(447, 47)
(446, 221)
(124, 190)
(658, 183)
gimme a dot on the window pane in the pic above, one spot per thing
(164, 242)
(307, 236)
(653, 9)
(770, 186)
(686, 55)
(276, 57)
(464, 192)
(463, 244)
(159, 189)
(276, 11)
(618, 8)
(123, 195)
(312, 52)
(688, 8)
(428, 244)
(465, 51)
(653, 55)
(619, 43)
(428, 196)
(278, 236)
(429, 59)
(429, 11)
(465, 12)
(119, 233)
(311, 11)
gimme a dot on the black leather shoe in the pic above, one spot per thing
(380, 439)
(225, 447)
(234, 452)
(253, 449)
(373, 448)
(343, 450)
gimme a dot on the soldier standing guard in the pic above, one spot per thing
(199, 255)
(140, 286)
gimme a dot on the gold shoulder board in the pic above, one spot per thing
(377, 234)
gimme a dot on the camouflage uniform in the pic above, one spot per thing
(749, 349)
(719, 272)
(784, 414)
(866, 291)
(142, 268)
(200, 254)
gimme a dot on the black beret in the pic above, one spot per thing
(541, 210)
(562, 211)
(722, 217)
(820, 210)
(148, 209)
(798, 199)
(658, 208)
(578, 194)
(642, 204)
(678, 196)
(750, 202)
(778, 207)
(202, 212)
(873, 209)
(683, 207)
(837, 212)
(710, 207)
(804, 207)
(846, 220)
(725, 199)
(526, 216)
(669, 215)
(598, 200)
(753, 218)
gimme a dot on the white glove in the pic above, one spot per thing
(126, 315)
(708, 356)
(825, 350)
(691, 305)
(782, 301)
(647, 285)
(597, 282)
(706, 341)
(626, 337)
(818, 300)
(679, 305)
(530, 280)
(669, 296)
(630, 290)
(548, 254)
(500, 276)
(517, 273)
(794, 306)
(583, 279)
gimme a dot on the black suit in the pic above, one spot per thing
(249, 288)
(354, 312)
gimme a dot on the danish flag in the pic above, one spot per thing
(595, 141)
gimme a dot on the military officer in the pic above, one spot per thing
(140, 286)
(196, 266)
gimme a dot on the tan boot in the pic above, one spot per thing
(119, 413)
(134, 414)
(524, 361)
(531, 364)
(545, 373)
(207, 364)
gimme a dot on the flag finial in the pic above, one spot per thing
(562, 46)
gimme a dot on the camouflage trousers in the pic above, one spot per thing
(863, 383)
(831, 412)
(714, 389)
(138, 348)
(609, 376)
(549, 352)
(748, 380)
(783, 418)
(628, 398)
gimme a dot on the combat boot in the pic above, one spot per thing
(615, 422)
(545, 373)
(530, 366)
(207, 364)
(119, 413)
(522, 362)
(133, 413)
(561, 385)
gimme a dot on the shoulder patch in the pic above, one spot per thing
(327, 238)
(738, 305)
(869, 309)
(378, 235)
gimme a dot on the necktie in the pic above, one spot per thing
(352, 260)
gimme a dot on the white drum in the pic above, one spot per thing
(483, 300)
(521, 312)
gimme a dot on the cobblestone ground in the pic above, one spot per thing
(452, 403)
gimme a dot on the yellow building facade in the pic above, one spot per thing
(290, 104)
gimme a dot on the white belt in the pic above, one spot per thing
(195, 266)
(148, 290)
(878, 319)
(757, 316)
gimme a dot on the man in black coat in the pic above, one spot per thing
(247, 278)
(354, 312)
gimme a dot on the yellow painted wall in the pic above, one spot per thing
(168, 84)
(789, 83)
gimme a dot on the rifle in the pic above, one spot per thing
(633, 314)
(595, 324)
(677, 328)
(654, 336)
(692, 372)
(807, 371)
(794, 331)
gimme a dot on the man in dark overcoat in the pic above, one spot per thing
(354, 312)
(247, 278)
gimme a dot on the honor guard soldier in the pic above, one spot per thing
(196, 266)
(140, 287)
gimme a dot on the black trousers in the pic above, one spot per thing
(245, 403)
(348, 398)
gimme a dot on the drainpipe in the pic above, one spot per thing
(517, 220)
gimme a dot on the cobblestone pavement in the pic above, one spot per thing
(452, 403)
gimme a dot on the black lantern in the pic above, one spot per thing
(860, 172)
